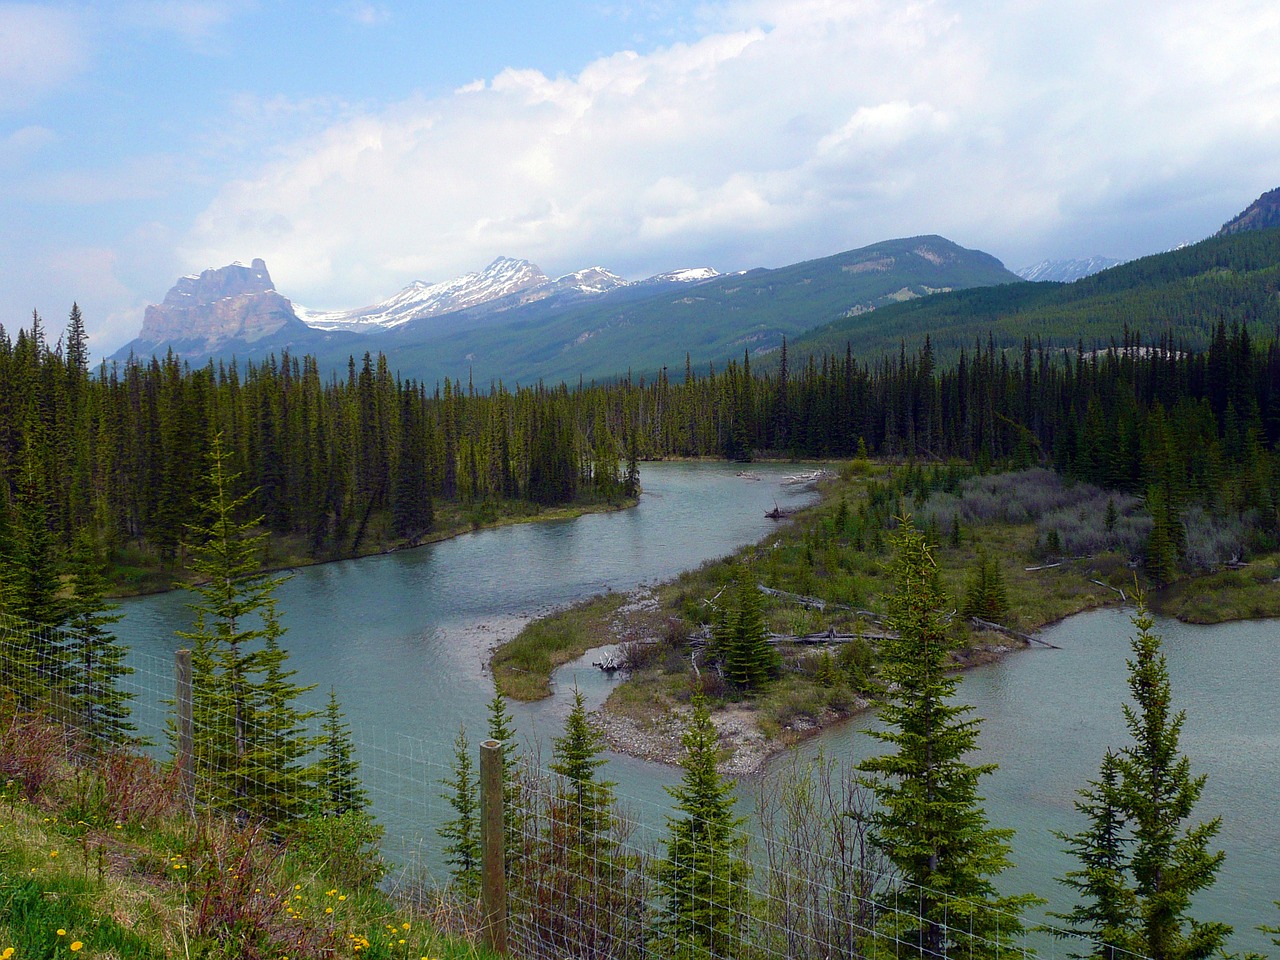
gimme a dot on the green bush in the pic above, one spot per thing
(342, 849)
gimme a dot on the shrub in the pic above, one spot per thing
(341, 849)
(1213, 541)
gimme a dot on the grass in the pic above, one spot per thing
(86, 870)
(1247, 593)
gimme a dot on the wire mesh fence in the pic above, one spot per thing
(585, 873)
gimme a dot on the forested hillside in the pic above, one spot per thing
(1178, 297)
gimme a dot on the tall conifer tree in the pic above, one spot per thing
(250, 738)
(95, 661)
(461, 832)
(1162, 859)
(930, 822)
(339, 772)
(703, 878)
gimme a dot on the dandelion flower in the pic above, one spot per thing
(53, 853)
(405, 925)
(328, 909)
(76, 945)
(8, 952)
(61, 932)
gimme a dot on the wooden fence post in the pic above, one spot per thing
(492, 859)
(186, 735)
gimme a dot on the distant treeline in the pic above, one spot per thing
(121, 452)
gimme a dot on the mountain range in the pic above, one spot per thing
(512, 322)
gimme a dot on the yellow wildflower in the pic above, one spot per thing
(76, 945)
(61, 932)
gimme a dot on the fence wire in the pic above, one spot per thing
(588, 874)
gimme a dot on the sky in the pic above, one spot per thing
(359, 146)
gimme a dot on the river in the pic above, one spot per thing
(403, 638)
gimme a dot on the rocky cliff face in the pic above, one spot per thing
(231, 303)
(1262, 214)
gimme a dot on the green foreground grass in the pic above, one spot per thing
(98, 864)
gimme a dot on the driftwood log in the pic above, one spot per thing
(1009, 631)
(816, 603)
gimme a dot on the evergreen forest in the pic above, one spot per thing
(114, 457)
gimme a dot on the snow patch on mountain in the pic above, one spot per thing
(1066, 271)
(686, 275)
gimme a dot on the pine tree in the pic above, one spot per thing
(502, 729)
(1162, 544)
(1166, 860)
(1106, 913)
(576, 756)
(36, 656)
(703, 879)
(985, 595)
(280, 768)
(95, 661)
(461, 832)
(587, 892)
(631, 483)
(338, 772)
(250, 742)
(930, 822)
(750, 661)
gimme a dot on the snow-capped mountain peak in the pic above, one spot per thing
(504, 277)
(591, 280)
(687, 275)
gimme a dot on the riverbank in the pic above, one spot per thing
(285, 553)
(834, 555)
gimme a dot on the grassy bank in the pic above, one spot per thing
(135, 571)
(102, 861)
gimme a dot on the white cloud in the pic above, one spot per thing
(41, 48)
(791, 130)
(26, 141)
(197, 23)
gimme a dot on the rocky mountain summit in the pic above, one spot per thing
(231, 303)
(1262, 214)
